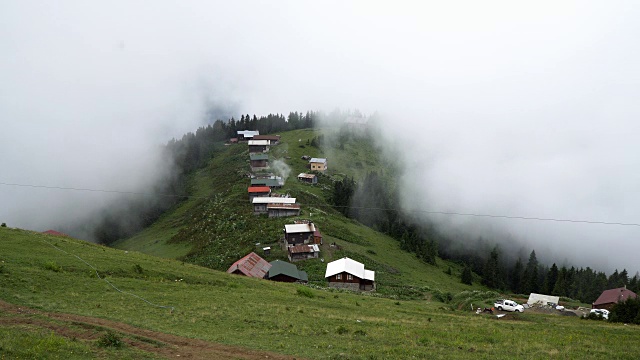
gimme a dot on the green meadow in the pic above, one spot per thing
(309, 322)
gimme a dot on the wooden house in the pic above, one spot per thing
(318, 164)
(610, 297)
(273, 182)
(259, 146)
(283, 210)
(317, 237)
(260, 203)
(299, 234)
(258, 191)
(308, 178)
(251, 265)
(259, 161)
(286, 272)
(303, 252)
(346, 273)
(274, 139)
(246, 135)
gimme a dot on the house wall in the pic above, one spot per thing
(259, 163)
(283, 278)
(317, 240)
(318, 166)
(299, 238)
(283, 212)
(343, 278)
(259, 208)
(258, 148)
(253, 195)
(341, 285)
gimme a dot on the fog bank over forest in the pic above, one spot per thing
(497, 107)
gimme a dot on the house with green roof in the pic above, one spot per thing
(286, 272)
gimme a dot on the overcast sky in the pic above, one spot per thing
(501, 107)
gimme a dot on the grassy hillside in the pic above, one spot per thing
(216, 226)
(258, 314)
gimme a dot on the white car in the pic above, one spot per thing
(602, 312)
(508, 305)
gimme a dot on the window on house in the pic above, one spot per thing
(349, 277)
(339, 277)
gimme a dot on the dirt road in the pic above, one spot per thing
(160, 344)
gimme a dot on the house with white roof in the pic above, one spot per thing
(318, 164)
(299, 234)
(259, 146)
(260, 204)
(244, 135)
(346, 273)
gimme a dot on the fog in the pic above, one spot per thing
(497, 107)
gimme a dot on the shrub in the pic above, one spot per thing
(360, 332)
(3, 225)
(626, 312)
(51, 265)
(306, 292)
(138, 269)
(341, 330)
(111, 339)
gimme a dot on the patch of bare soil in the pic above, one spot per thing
(161, 344)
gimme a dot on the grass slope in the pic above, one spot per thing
(216, 226)
(258, 314)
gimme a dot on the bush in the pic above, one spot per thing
(341, 330)
(51, 265)
(3, 225)
(626, 312)
(111, 339)
(306, 292)
(138, 269)
(442, 297)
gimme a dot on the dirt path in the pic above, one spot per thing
(161, 344)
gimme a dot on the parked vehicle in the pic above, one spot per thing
(508, 305)
(602, 312)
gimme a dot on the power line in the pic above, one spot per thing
(451, 213)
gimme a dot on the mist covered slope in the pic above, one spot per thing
(215, 226)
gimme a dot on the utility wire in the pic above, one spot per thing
(108, 282)
(494, 216)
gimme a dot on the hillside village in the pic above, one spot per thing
(302, 238)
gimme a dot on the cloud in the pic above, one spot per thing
(498, 107)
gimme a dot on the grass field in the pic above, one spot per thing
(258, 314)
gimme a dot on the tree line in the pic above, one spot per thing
(373, 201)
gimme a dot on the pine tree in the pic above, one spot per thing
(550, 279)
(516, 277)
(491, 274)
(466, 277)
(531, 275)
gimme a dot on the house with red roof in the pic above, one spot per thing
(258, 191)
(55, 233)
(251, 265)
(610, 297)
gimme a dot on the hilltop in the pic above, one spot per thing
(216, 226)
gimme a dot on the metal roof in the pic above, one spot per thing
(248, 133)
(259, 189)
(251, 265)
(306, 176)
(267, 137)
(273, 200)
(614, 296)
(282, 267)
(299, 228)
(298, 249)
(259, 142)
(349, 266)
(318, 160)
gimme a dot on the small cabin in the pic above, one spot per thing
(259, 161)
(251, 265)
(259, 146)
(246, 135)
(299, 234)
(258, 191)
(349, 274)
(318, 164)
(308, 178)
(260, 203)
(286, 272)
(283, 210)
(303, 252)
(273, 139)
